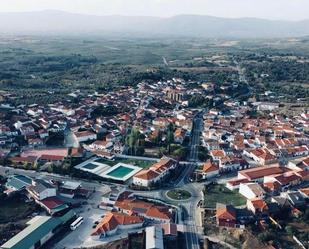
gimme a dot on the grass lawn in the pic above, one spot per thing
(135, 162)
(219, 193)
(178, 194)
(13, 209)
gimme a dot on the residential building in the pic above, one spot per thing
(261, 156)
(251, 191)
(69, 189)
(114, 221)
(217, 154)
(155, 174)
(210, 170)
(41, 190)
(257, 174)
(145, 209)
(53, 205)
(17, 183)
(85, 136)
(294, 197)
(257, 206)
(154, 238)
(226, 215)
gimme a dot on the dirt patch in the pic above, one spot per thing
(251, 242)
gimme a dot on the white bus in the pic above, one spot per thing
(77, 223)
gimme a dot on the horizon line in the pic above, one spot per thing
(150, 16)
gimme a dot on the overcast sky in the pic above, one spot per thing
(270, 9)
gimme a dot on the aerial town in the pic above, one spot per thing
(142, 167)
(154, 124)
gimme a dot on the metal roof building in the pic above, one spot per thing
(18, 182)
(39, 230)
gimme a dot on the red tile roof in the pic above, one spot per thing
(226, 213)
(52, 157)
(113, 219)
(156, 169)
(259, 204)
(263, 154)
(52, 202)
(84, 134)
(150, 209)
(147, 174)
(272, 186)
(305, 191)
(210, 167)
(29, 159)
(260, 172)
(217, 153)
(235, 182)
(285, 179)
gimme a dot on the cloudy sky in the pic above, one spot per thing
(270, 9)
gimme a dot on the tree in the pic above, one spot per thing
(158, 138)
(203, 154)
(170, 136)
(180, 153)
(290, 230)
(265, 237)
(135, 141)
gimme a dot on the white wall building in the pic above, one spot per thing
(41, 190)
(155, 173)
(154, 238)
(251, 190)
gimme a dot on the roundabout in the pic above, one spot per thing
(178, 194)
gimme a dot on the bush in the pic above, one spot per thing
(265, 237)
(290, 230)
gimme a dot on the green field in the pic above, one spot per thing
(120, 172)
(135, 162)
(219, 193)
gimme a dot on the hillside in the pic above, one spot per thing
(58, 22)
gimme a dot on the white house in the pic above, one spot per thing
(210, 170)
(228, 163)
(251, 191)
(41, 190)
(154, 238)
(217, 154)
(114, 221)
(84, 136)
(101, 145)
(261, 156)
(155, 173)
(257, 206)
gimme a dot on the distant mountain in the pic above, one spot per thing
(59, 22)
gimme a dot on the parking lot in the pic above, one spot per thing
(91, 213)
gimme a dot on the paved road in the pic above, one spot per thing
(195, 138)
(192, 232)
(192, 228)
(242, 77)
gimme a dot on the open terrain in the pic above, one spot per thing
(219, 193)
